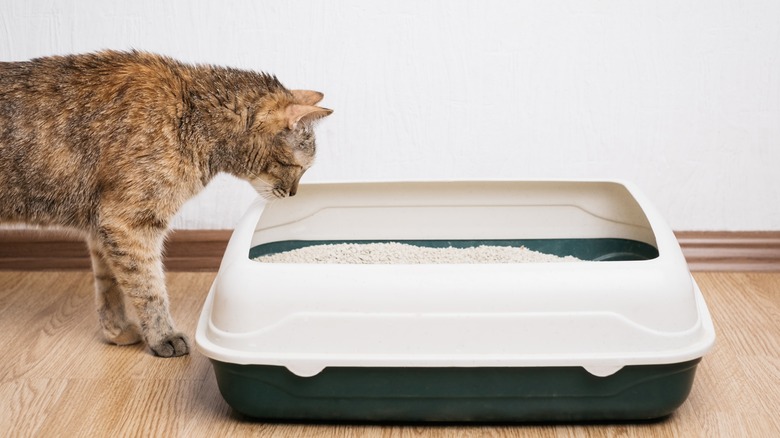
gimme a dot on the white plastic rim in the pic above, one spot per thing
(598, 315)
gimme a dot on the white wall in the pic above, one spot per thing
(682, 98)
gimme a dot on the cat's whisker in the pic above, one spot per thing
(268, 191)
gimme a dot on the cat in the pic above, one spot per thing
(113, 143)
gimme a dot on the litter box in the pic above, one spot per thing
(615, 336)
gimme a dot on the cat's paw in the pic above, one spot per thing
(173, 345)
(128, 335)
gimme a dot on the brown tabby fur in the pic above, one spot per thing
(113, 143)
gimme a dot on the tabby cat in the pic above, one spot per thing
(113, 143)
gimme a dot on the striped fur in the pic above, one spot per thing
(113, 143)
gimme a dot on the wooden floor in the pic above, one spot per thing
(58, 378)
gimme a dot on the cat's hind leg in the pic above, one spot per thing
(134, 256)
(117, 326)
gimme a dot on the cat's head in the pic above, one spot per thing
(289, 148)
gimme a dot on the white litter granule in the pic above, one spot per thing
(401, 253)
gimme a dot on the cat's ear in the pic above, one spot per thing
(296, 114)
(307, 97)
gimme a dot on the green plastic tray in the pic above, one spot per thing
(527, 394)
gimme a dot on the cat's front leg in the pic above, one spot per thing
(114, 320)
(134, 256)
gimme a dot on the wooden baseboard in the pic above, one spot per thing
(54, 250)
(202, 250)
(731, 251)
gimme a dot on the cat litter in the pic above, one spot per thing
(614, 336)
(401, 253)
